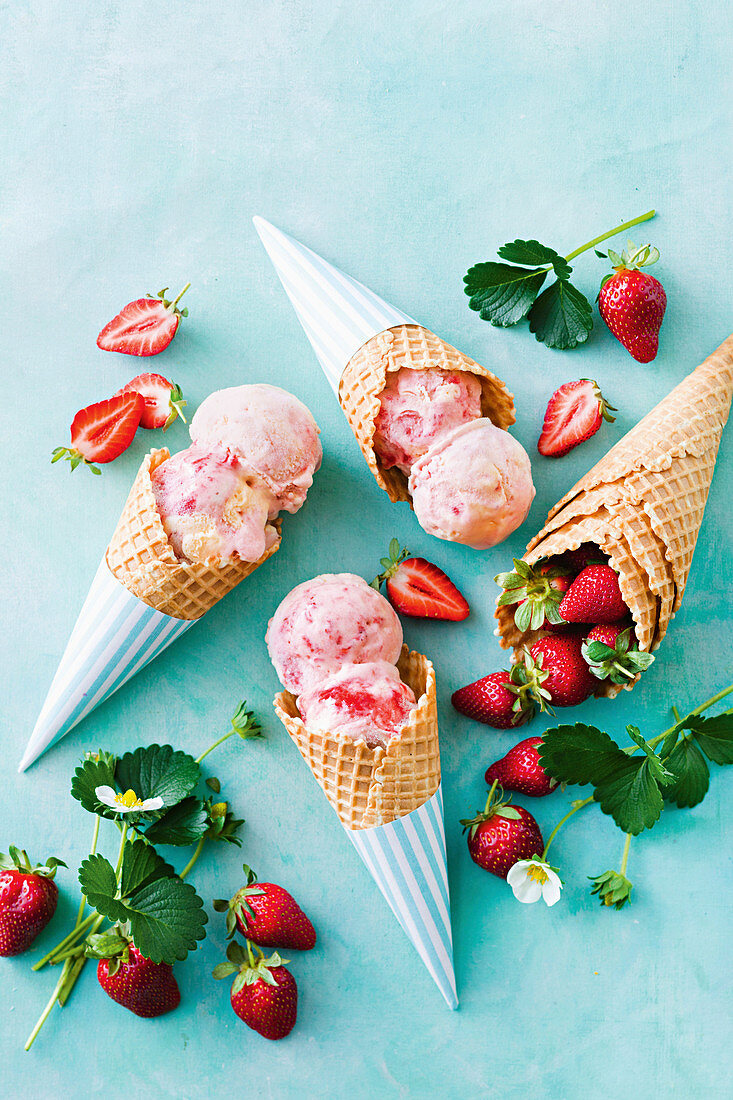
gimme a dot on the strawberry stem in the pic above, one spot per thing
(83, 902)
(490, 795)
(74, 934)
(611, 233)
(46, 1012)
(197, 852)
(625, 856)
(212, 747)
(561, 822)
(175, 301)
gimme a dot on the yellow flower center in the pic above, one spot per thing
(129, 800)
(219, 809)
(537, 873)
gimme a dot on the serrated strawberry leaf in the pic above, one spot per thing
(502, 294)
(688, 765)
(561, 317)
(88, 776)
(630, 795)
(158, 771)
(182, 824)
(141, 864)
(579, 754)
(714, 736)
(532, 252)
(656, 767)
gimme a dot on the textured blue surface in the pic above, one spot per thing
(403, 143)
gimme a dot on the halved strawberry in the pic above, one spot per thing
(145, 326)
(417, 587)
(574, 413)
(102, 431)
(163, 400)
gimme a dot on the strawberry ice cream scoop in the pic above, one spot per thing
(473, 486)
(332, 620)
(214, 510)
(419, 406)
(366, 702)
(270, 431)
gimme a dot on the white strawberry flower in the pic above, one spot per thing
(532, 879)
(126, 803)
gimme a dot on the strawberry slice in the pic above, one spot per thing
(163, 400)
(103, 431)
(145, 326)
(574, 413)
(418, 588)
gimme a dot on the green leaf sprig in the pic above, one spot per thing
(504, 294)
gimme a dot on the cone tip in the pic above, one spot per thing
(28, 757)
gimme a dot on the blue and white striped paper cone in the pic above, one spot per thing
(115, 636)
(407, 860)
(337, 313)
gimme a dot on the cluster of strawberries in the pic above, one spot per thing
(102, 431)
(577, 603)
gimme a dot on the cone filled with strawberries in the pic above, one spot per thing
(615, 551)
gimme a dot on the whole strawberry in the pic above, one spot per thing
(520, 770)
(612, 653)
(264, 993)
(497, 700)
(632, 303)
(146, 988)
(501, 834)
(594, 597)
(537, 591)
(268, 915)
(28, 898)
(557, 667)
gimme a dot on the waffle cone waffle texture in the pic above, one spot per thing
(643, 504)
(142, 559)
(370, 786)
(416, 348)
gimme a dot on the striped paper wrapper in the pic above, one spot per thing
(337, 313)
(115, 636)
(407, 860)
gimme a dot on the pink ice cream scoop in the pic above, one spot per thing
(473, 486)
(213, 508)
(366, 702)
(327, 622)
(270, 431)
(419, 406)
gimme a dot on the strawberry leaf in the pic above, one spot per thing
(158, 771)
(561, 317)
(502, 294)
(532, 252)
(714, 736)
(141, 864)
(182, 824)
(94, 772)
(630, 795)
(579, 754)
(688, 765)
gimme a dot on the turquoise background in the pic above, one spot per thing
(404, 143)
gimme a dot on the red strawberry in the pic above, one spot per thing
(148, 989)
(594, 597)
(574, 413)
(163, 400)
(557, 666)
(496, 700)
(145, 326)
(612, 653)
(632, 303)
(417, 587)
(537, 591)
(264, 993)
(101, 432)
(28, 897)
(520, 770)
(501, 834)
(268, 915)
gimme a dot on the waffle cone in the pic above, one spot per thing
(142, 559)
(643, 503)
(416, 348)
(369, 786)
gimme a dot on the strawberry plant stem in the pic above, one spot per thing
(561, 822)
(74, 934)
(212, 747)
(692, 714)
(83, 902)
(490, 794)
(46, 1012)
(625, 856)
(611, 233)
(175, 301)
(197, 852)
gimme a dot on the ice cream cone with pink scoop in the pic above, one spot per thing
(431, 423)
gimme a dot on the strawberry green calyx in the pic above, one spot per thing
(619, 663)
(238, 906)
(604, 408)
(250, 966)
(532, 590)
(113, 945)
(177, 404)
(530, 677)
(172, 306)
(17, 860)
(496, 806)
(527, 689)
(631, 259)
(613, 889)
(74, 457)
(390, 564)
